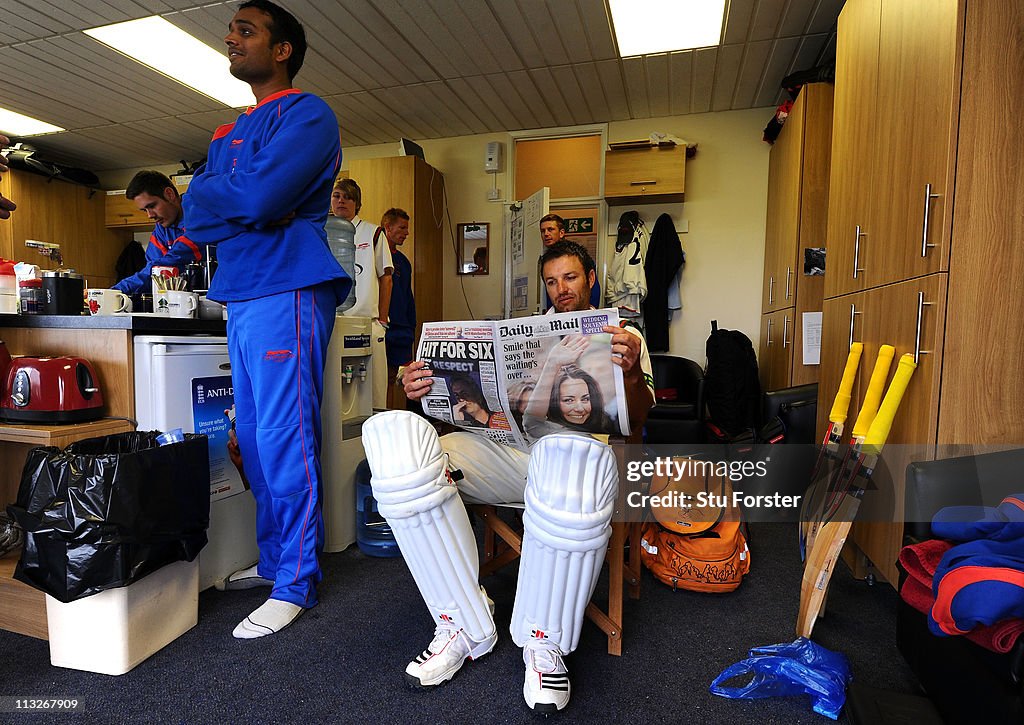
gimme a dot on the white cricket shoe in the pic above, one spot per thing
(546, 686)
(444, 656)
(446, 653)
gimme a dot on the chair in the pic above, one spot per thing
(678, 412)
(502, 544)
(797, 408)
(966, 682)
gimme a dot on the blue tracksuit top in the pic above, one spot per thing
(278, 158)
(167, 248)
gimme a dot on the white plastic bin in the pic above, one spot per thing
(113, 631)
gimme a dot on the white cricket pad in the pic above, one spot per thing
(570, 496)
(421, 504)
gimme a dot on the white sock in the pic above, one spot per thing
(269, 618)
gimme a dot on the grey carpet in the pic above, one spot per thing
(342, 661)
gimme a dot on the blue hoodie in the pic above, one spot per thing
(278, 158)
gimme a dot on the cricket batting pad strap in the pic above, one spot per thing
(418, 500)
(570, 496)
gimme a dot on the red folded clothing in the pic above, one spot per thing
(920, 562)
(917, 594)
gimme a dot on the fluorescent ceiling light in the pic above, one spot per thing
(660, 26)
(15, 124)
(168, 49)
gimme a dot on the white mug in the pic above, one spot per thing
(181, 303)
(107, 301)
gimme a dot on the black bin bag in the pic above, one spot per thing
(105, 512)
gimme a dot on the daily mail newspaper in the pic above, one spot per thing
(515, 381)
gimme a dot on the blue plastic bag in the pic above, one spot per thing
(800, 667)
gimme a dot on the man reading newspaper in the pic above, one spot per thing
(567, 483)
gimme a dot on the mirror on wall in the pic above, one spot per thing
(473, 248)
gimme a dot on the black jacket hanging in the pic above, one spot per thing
(664, 258)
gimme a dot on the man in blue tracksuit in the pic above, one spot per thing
(262, 197)
(154, 194)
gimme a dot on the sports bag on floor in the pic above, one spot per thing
(696, 539)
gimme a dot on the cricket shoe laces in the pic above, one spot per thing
(546, 684)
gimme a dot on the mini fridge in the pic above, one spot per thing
(185, 382)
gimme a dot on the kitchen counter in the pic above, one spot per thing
(137, 324)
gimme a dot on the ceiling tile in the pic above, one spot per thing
(704, 62)
(657, 70)
(726, 75)
(680, 69)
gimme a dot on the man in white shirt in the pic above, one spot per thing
(372, 276)
(567, 485)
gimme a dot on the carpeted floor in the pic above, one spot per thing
(343, 661)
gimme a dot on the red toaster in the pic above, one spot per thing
(50, 390)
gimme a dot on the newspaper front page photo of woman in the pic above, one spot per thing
(566, 396)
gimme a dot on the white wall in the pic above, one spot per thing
(726, 202)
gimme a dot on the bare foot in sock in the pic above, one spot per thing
(269, 618)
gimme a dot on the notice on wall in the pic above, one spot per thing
(213, 411)
(520, 289)
(812, 338)
(518, 242)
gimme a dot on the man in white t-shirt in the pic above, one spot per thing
(567, 485)
(373, 280)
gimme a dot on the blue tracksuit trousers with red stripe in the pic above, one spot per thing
(278, 349)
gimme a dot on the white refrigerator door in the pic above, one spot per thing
(165, 398)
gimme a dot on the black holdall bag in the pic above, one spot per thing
(105, 512)
(731, 385)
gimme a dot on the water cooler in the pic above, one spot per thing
(348, 402)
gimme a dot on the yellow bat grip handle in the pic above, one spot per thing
(876, 387)
(880, 427)
(841, 405)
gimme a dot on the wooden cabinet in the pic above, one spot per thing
(798, 192)
(855, 167)
(897, 99)
(983, 359)
(775, 358)
(62, 213)
(120, 212)
(958, 303)
(650, 175)
(919, 89)
(910, 316)
(409, 183)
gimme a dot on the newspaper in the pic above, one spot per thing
(517, 380)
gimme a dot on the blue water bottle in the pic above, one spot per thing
(373, 535)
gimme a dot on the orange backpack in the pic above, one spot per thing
(696, 540)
